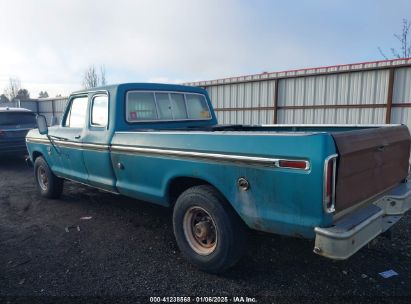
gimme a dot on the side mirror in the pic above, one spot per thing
(42, 125)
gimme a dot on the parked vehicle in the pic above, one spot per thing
(342, 185)
(14, 125)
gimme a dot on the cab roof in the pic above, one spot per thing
(145, 86)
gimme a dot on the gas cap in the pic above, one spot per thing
(243, 184)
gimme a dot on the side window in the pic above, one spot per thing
(76, 116)
(99, 111)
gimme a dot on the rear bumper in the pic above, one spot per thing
(350, 233)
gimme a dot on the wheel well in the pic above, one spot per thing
(36, 154)
(180, 184)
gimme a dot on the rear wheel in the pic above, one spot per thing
(49, 185)
(208, 232)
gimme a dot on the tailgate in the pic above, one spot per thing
(370, 161)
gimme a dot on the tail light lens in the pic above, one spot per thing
(2, 133)
(330, 167)
(294, 164)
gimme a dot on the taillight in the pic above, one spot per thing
(294, 164)
(2, 133)
(330, 167)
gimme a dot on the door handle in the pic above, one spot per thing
(77, 137)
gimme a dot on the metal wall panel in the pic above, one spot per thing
(60, 104)
(368, 87)
(29, 104)
(45, 106)
(256, 94)
(327, 93)
(243, 95)
(59, 107)
(402, 86)
(52, 108)
(331, 116)
(255, 117)
(401, 116)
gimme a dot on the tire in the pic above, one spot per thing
(48, 184)
(207, 230)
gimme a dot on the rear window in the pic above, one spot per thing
(17, 118)
(166, 106)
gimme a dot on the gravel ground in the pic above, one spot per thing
(127, 249)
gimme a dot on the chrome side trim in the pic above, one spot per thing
(86, 146)
(331, 125)
(37, 140)
(242, 133)
(248, 160)
(332, 158)
(71, 144)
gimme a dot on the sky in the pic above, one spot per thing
(49, 44)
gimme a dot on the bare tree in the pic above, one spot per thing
(92, 79)
(103, 75)
(405, 42)
(12, 89)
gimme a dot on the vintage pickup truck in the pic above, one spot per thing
(340, 185)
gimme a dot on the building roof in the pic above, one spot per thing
(340, 68)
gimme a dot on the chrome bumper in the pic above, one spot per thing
(350, 233)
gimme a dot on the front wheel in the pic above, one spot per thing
(49, 185)
(208, 232)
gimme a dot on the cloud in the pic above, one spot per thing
(48, 44)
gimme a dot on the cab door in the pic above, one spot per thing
(70, 139)
(96, 140)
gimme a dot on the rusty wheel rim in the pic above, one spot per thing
(42, 178)
(200, 230)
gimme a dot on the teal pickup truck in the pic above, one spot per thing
(340, 185)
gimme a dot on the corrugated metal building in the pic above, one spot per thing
(360, 93)
(51, 108)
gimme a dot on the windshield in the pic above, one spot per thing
(17, 118)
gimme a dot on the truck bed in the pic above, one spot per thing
(372, 159)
